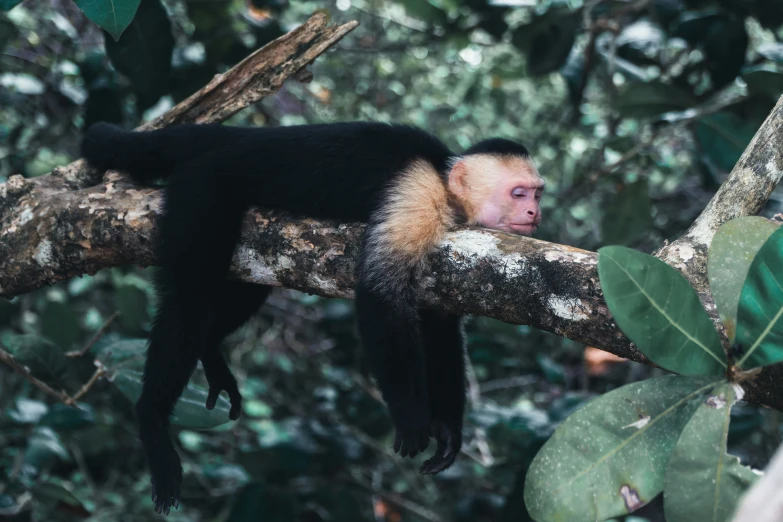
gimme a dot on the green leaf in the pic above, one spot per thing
(628, 215)
(45, 360)
(190, 411)
(114, 16)
(54, 493)
(723, 137)
(703, 482)
(656, 307)
(644, 100)
(609, 457)
(128, 354)
(68, 418)
(732, 250)
(759, 325)
(143, 54)
(60, 324)
(7, 5)
(28, 411)
(44, 449)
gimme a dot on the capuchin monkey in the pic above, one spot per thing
(402, 181)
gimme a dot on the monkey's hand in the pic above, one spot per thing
(449, 439)
(219, 378)
(411, 422)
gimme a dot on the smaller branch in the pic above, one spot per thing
(21, 370)
(100, 371)
(95, 338)
(61, 395)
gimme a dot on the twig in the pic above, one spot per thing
(21, 370)
(95, 338)
(66, 399)
(99, 372)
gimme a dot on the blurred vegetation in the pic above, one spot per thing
(635, 110)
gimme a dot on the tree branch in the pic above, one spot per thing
(50, 235)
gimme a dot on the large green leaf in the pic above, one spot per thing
(609, 457)
(643, 100)
(732, 250)
(114, 16)
(660, 312)
(703, 482)
(759, 324)
(190, 411)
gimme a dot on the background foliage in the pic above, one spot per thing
(635, 110)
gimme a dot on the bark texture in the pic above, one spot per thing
(67, 224)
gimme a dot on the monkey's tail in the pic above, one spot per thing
(146, 156)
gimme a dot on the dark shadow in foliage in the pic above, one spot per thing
(143, 53)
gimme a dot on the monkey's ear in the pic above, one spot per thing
(458, 178)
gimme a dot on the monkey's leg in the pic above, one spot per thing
(199, 230)
(390, 336)
(239, 301)
(444, 350)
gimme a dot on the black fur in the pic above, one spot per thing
(498, 146)
(329, 171)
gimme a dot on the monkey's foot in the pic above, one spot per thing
(411, 420)
(166, 475)
(229, 384)
(449, 443)
(410, 443)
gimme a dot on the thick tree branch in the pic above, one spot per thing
(49, 235)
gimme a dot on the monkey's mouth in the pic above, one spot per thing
(523, 228)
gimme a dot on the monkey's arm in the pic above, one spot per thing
(391, 339)
(413, 217)
(444, 347)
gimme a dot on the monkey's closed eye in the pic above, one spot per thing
(518, 193)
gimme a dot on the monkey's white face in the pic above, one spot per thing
(514, 204)
(502, 194)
